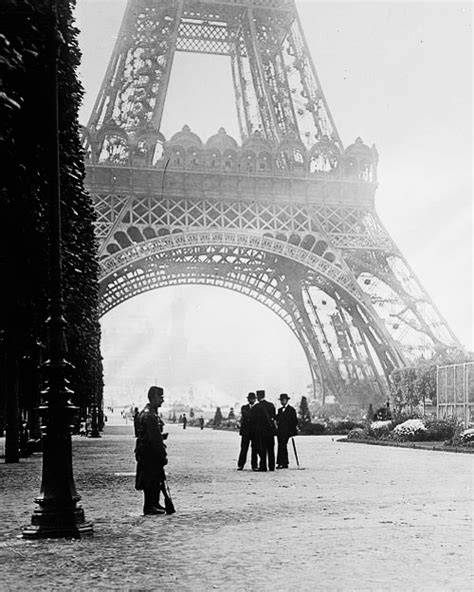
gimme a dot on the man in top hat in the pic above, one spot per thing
(287, 423)
(247, 434)
(263, 415)
(150, 452)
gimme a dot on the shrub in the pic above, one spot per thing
(379, 429)
(439, 430)
(313, 429)
(410, 431)
(357, 434)
(342, 426)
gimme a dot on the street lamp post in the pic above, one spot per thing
(58, 514)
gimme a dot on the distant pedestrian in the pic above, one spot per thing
(287, 422)
(247, 433)
(201, 422)
(150, 453)
(185, 421)
(136, 413)
(263, 416)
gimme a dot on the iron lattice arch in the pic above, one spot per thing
(271, 279)
(286, 215)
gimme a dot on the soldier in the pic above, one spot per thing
(150, 453)
(247, 435)
(287, 422)
(263, 415)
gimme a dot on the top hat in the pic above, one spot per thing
(284, 396)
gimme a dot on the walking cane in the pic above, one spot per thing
(296, 454)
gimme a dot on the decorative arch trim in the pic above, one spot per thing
(135, 253)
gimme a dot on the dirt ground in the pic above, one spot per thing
(352, 518)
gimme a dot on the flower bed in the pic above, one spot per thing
(379, 429)
(466, 438)
(414, 430)
(410, 431)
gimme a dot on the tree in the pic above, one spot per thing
(425, 382)
(370, 413)
(218, 418)
(24, 191)
(303, 412)
(411, 386)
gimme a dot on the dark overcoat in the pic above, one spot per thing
(263, 416)
(150, 450)
(287, 422)
(246, 421)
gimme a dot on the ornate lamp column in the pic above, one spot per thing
(58, 514)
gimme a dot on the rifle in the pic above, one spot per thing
(169, 506)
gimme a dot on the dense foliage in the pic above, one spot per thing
(411, 386)
(25, 98)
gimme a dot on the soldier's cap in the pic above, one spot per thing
(284, 396)
(155, 391)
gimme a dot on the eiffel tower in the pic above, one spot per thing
(285, 215)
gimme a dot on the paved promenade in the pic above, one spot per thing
(356, 517)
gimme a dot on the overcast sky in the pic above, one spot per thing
(397, 74)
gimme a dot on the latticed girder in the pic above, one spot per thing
(401, 301)
(302, 224)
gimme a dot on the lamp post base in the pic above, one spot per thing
(58, 522)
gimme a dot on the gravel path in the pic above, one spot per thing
(355, 518)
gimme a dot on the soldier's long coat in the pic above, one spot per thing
(150, 450)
